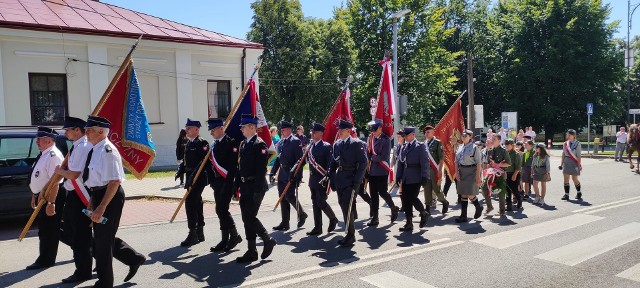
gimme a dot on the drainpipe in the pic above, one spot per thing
(243, 64)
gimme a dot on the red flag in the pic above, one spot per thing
(341, 110)
(449, 131)
(386, 99)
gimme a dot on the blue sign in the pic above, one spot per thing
(589, 108)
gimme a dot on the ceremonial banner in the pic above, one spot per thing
(386, 99)
(130, 132)
(250, 104)
(341, 110)
(449, 132)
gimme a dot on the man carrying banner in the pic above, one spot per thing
(49, 218)
(289, 153)
(252, 169)
(194, 153)
(379, 152)
(435, 152)
(413, 172)
(347, 167)
(318, 158)
(77, 226)
(571, 164)
(103, 174)
(224, 159)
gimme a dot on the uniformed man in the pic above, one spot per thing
(51, 213)
(347, 167)
(194, 153)
(379, 154)
(289, 154)
(413, 172)
(252, 169)
(497, 156)
(397, 149)
(513, 175)
(224, 159)
(77, 226)
(436, 164)
(319, 157)
(571, 163)
(103, 174)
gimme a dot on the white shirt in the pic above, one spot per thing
(45, 168)
(503, 136)
(105, 165)
(531, 133)
(77, 160)
(621, 137)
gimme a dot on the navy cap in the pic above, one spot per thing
(73, 122)
(46, 132)
(215, 122)
(467, 132)
(345, 125)
(409, 129)
(285, 124)
(317, 127)
(193, 123)
(401, 133)
(97, 121)
(248, 119)
(571, 132)
(374, 124)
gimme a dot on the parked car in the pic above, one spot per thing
(18, 152)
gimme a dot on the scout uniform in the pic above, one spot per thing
(436, 155)
(468, 158)
(319, 157)
(413, 171)
(527, 174)
(512, 185)
(379, 154)
(571, 165)
(497, 155)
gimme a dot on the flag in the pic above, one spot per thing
(130, 132)
(250, 104)
(386, 99)
(341, 110)
(449, 131)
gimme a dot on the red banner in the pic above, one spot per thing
(386, 99)
(341, 110)
(449, 131)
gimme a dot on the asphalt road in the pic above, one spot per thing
(589, 243)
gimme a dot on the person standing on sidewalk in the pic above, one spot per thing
(621, 143)
(103, 175)
(76, 225)
(379, 154)
(252, 169)
(413, 172)
(319, 157)
(181, 143)
(571, 164)
(224, 159)
(435, 151)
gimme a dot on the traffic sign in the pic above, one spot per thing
(589, 108)
(634, 111)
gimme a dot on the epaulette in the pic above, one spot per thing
(52, 153)
(259, 140)
(107, 148)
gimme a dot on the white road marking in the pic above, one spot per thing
(632, 273)
(580, 251)
(517, 236)
(605, 204)
(390, 279)
(611, 207)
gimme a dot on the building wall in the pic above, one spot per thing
(173, 77)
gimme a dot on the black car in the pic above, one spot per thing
(18, 151)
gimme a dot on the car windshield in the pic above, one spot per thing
(15, 152)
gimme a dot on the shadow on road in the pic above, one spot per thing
(11, 278)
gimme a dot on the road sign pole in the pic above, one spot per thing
(589, 134)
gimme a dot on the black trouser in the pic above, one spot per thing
(289, 200)
(222, 193)
(193, 203)
(49, 229)
(410, 199)
(107, 246)
(378, 187)
(512, 189)
(250, 201)
(344, 199)
(77, 232)
(319, 200)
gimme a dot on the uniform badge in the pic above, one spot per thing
(235, 150)
(205, 148)
(52, 153)
(107, 148)
(264, 151)
(37, 174)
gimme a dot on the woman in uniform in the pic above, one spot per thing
(541, 173)
(571, 164)
(468, 169)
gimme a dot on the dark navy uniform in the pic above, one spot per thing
(413, 171)
(319, 158)
(379, 154)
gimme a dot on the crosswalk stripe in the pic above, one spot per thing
(632, 273)
(605, 204)
(611, 207)
(517, 236)
(580, 251)
(447, 229)
(391, 279)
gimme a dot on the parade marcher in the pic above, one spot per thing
(346, 171)
(76, 225)
(468, 170)
(252, 169)
(319, 157)
(527, 173)
(290, 151)
(541, 172)
(435, 151)
(497, 157)
(379, 153)
(513, 176)
(485, 163)
(621, 143)
(413, 172)
(195, 152)
(181, 143)
(50, 215)
(571, 163)
(224, 159)
(397, 149)
(103, 174)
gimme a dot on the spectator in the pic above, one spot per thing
(181, 143)
(520, 136)
(503, 135)
(301, 136)
(531, 133)
(275, 138)
(621, 143)
(541, 173)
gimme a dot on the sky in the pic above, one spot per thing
(233, 17)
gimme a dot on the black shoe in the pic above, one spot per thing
(509, 208)
(192, 239)
(579, 195)
(303, 218)
(37, 265)
(478, 212)
(347, 241)
(332, 224)
(75, 279)
(133, 269)
(281, 227)
(268, 248)
(445, 207)
(406, 228)
(219, 247)
(248, 257)
(315, 231)
(461, 219)
(423, 219)
(233, 241)
(394, 213)
(200, 233)
(565, 197)
(374, 222)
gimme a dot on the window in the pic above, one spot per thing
(48, 94)
(219, 98)
(17, 152)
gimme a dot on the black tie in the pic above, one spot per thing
(34, 166)
(71, 150)
(85, 173)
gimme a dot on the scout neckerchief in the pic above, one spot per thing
(384, 164)
(312, 160)
(80, 189)
(569, 152)
(432, 162)
(223, 172)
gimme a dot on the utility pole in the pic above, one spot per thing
(471, 116)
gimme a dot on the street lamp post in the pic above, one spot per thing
(630, 12)
(395, 17)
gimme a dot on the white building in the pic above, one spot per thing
(57, 57)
